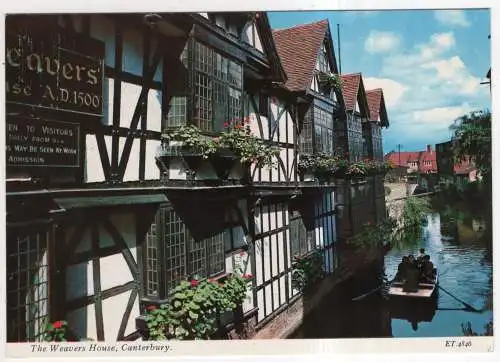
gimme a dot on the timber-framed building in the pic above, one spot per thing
(102, 221)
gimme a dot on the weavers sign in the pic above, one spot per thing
(31, 143)
(47, 68)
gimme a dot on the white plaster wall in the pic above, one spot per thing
(129, 94)
(154, 110)
(270, 260)
(151, 172)
(133, 47)
(113, 320)
(258, 42)
(107, 101)
(132, 168)
(94, 171)
(247, 35)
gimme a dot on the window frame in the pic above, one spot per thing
(227, 76)
(188, 250)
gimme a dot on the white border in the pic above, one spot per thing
(305, 349)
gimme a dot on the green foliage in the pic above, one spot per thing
(472, 137)
(236, 138)
(56, 331)
(325, 166)
(331, 79)
(307, 270)
(194, 308)
(467, 329)
(397, 233)
(191, 138)
(372, 236)
(249, 149)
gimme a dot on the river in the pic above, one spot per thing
(460, 247)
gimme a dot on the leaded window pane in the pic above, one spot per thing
(27, 284)
(182, 255)
(218, 84)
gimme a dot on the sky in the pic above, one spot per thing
(430, 64)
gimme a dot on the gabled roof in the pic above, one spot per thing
(352, 89)
(262, 22)
(298, 48)
(376, 105)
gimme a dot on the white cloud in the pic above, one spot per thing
(393, 90)
(454, 73)
(380, 41)
(452, 17)
(438, 44)
(440, 117)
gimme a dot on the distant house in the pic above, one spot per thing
(421, 165)
(459, 173)
(423, 162)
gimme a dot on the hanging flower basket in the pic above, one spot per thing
(330, 80)
(223, 160)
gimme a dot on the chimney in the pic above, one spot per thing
(429, 148)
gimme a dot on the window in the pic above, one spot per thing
(172, 255)
(355, 137)
(306, 144)
(178, 107)
(27, 285)
(301, 239)
(323, 130)
(218, 84)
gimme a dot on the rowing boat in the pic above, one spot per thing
(424, 291)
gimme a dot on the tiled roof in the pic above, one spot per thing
(405, 157)
(350, 87)
(419, 156)
(374, 97)
(298, 48)
(463, 167)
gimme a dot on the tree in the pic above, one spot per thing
(472, 138)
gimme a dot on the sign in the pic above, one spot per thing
(46, 67)
(35, 143)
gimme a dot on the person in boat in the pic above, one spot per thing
(420, 259)
(421, 255)
(412, 274)
(402, 267)
(428, 269)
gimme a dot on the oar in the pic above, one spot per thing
(468, 306)
(371, 291)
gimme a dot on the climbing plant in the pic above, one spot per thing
(307, 270)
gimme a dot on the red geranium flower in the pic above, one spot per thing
(242, 253)
(247, 276)
(151, 307)
(226, 124)
(194, 282)
(57, 324)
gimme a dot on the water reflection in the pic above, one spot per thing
(459, 243)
